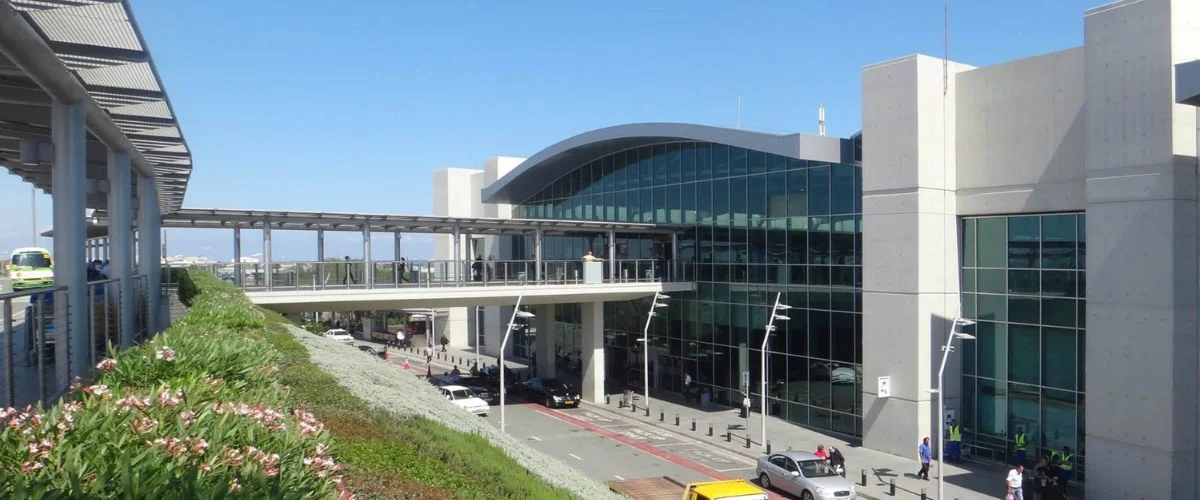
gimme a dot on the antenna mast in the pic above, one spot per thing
(821, 120)
(739, 112)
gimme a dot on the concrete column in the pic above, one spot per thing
(612, 255)
(120, 231)
(368, 270)
(457, 260)
(149, 229)
(320, 257)
(397, 247)
(593, 352)
(910, 261)
(537, 255)
(69, 177)
(1141, 438)
(266, 253)
(546, 336)
(237, 256)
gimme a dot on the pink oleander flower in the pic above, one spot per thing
(142, 424)
(96, 390)
(167, 400)
(205, 468)
(235, 486)
(187, 417)
(106, 365)
(30, 467)
(165, 354)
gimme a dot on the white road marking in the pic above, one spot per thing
(731, 470)
(619, 478)
(672, 444)
(576, 457)
(535, 438)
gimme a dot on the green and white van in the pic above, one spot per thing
(30, 267)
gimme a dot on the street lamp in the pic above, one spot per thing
(645, 340)
(763, 365)
(958, 321)
(512, 325)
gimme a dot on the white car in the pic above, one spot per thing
(465, 399)
(339, 335)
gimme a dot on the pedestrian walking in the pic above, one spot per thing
(925, 456)
(1015, 480)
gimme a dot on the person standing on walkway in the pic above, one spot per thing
(955, 447)
(1063, 460)
(1015, 479)
(925, 456)
(1021, 446)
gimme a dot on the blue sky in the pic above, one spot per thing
(305, 105)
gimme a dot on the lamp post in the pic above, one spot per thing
(645, 340)
(512, 325)
(763, 365)
(958, 321)
(477, 336)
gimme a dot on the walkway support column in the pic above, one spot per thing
(674, 264)
(149, 227)
(266, 253)
(593, 352)
(320, 276)
(237, 256)
(397, 254)
(546, 336)
(537, 255)
(120, 233)
(612, 255)
(457, 254)
(69, 177)
(368, 273)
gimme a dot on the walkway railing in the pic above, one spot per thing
(342, 275)
(35, 321)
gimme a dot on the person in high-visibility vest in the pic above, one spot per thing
(955, 447)
(1022, 446)
(1064, 460)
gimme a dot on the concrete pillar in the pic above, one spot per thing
(320, 277)
(368, 274)
(910, 261)
(593, 352)
(69, 178)
(120, 232)
(237, 256)
(266, 253)
(397, 247)
(537, 255)
(149, 228)
(368, 325)
(547, 334)
(612, 255)
(456, 261)
(1141, 438)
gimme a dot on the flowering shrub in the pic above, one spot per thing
(197, 412)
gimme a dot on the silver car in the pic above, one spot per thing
(805, 475)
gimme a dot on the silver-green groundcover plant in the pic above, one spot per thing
(391, 388)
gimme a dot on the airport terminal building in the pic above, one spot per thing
(1052, 200)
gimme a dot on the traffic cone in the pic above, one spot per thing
(406, 366)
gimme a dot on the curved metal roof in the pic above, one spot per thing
(551, 163)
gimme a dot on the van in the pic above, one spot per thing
(30, 267)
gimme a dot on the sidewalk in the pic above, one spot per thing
(963, 481)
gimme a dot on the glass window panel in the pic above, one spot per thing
(737, 202)
(968, 356)
(797, 192)
(1025, 413)
(647, 206)
(1081, 248)
(776, 194)
(622, 213)
(858, 190)
(818, 199)
(992, 408)
(1058, 349)
(1024, 310)
(737, 161)
(992, 349)
(776, 163)
(1059, 283)
(1059, 419)
(1024, 237)
(758, 162)
(843, 190)
(968, 280)
(721, 202)
(756, 200)
(1023, 282)
(968, 306)
(1081, 361)
(1082, 306)
(720, 161)
(1058, 312)
(843, 337)
(660, 164)
(646, 166)
(1024, 346)
(993, 307)
(992, 281)
(818, 334)
(704, 202)
(992, 240)
(969, 392)
(818, 383)
(703, 161)
(674, 163)
(1058, 241)
(620, 170)
(688, 161)
(687, 203)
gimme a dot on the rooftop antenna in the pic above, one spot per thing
(739, 112)
(821, 120)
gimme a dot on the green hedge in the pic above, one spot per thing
(197, 412)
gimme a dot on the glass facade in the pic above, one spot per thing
(753, 224)
(1023, 282)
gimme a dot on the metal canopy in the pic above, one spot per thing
(218, 218)
(90, 51)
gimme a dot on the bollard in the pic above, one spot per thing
(709, 430)
(607, 399)
(892, 488)
(864, 477)
(693, 425)
(768, 447)
(923, 497)
(661, 416)
(634, 406)
(676, 420)
(647, 411)
(747, 441)
(728, 436)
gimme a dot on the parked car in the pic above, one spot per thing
(488, 389)
(465, 399)
(339, 335)
(551, 393)
(803, 474)
(370, 350)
